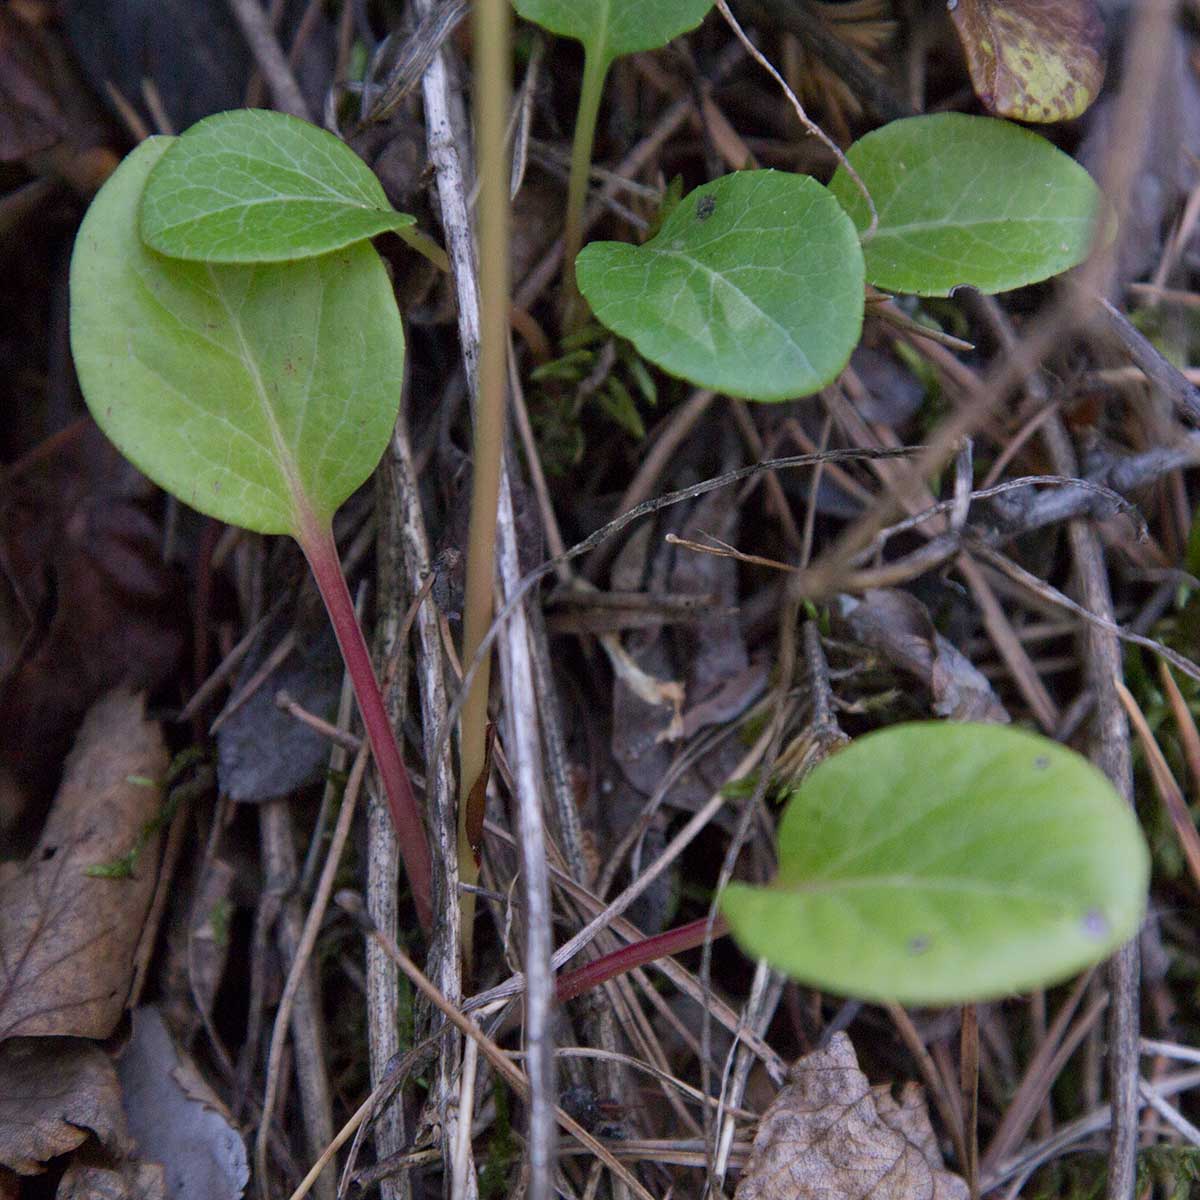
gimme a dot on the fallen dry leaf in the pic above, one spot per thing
(54, 1094)
(128, 1181)
(898, 626)
(829, 1133)
(1033, 60)
(67, 938)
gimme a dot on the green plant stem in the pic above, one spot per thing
(321, 551)
(595, 70)
(636, 954)
(493, 84)
(424, 245)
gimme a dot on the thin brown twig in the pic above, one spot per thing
(269, 56)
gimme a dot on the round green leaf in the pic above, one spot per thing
(261, 395)
(258, 186)
(610, 28)
(967, 200)
(937, 863)
(752, 287)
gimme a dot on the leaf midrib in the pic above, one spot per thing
(917, 883)
(922, 226)
(241, 205)
(284, 455)
(787, 334)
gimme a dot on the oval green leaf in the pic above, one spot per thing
(936, 863)
(610, 28)
(967, 201)
(753, 287)
(259, 186)
(261, 395)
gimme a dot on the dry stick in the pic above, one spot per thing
(600, 1019)
(521, 711)
(407, 526)
(1158, 369)
(969, 1079)
(383, 848)
(444, 142)
(272, 62)
(766, 991)
(1111, 753)
(308, 939)
(512, 1074)
(281, 870)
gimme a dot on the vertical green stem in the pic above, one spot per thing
(493, 87)
(321, 551)
(595, 70)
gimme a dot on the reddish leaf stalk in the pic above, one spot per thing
(661, 945)
(321, 551)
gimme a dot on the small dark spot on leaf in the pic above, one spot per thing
(705, 207)
(1095, 924)
(918, 944)
(1041, 762)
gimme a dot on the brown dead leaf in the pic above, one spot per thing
(830, 1134)
(55, 1093)
(127, 1181)
(1033, 60)
(67, 938)
(898, 626)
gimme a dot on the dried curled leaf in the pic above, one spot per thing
(67, 936)
(829, 1133)
(1032, 60)
(54, 1092)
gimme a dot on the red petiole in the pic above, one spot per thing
(321, 551)
(661, 945)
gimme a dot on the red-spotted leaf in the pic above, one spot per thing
(1032, 60)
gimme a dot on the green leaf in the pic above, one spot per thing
(753, 287)
(610, 28)
(937, 863)
(967, 200)
(261, 395)
(258, 186)
(1033, 60)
